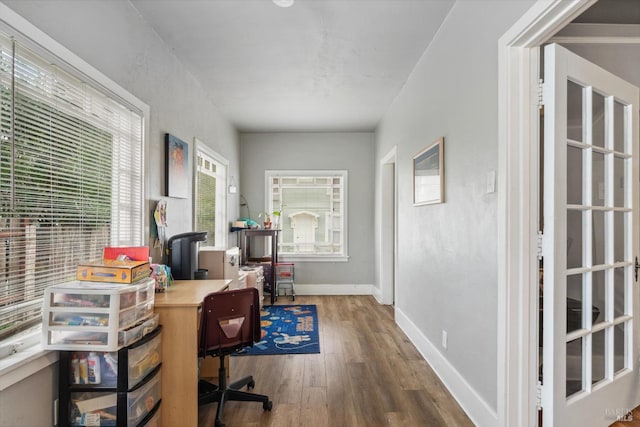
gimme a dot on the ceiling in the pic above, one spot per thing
(319, 65)
(330, 65)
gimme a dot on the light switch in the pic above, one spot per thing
(491, 182)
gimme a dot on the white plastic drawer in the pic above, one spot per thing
(144, 311)
(147, 293)
(128, 317)
(129, 336)
(144, 359)
(65, 299)
(78, 338)
(142, 401)
(78, 318)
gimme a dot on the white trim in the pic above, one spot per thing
(388, 296)
(342, 289)
(518, 205)
(221, 226)
(598, 34)
(23, 364)
(269, 174)
(479, 411)
(312, 258)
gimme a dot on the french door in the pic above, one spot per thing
(590, 243)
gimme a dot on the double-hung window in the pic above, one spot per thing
(312, 207)
(71, 177)
(210, 204)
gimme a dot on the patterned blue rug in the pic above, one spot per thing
(287, 329)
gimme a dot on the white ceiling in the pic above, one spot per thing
(319, 65)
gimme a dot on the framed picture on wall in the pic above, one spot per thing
(176, 167)
(428, 174)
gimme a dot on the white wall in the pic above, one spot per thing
(112, 37)
(351, 151)
(447, 253)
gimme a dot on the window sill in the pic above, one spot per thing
(312, 258)
(24, 363)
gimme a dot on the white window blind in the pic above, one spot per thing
(312, 207)
(210, 196)
(71, 179)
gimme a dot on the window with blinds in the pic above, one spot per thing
(210, 196)
(312, 206)
(71, 179)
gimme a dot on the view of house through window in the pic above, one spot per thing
(71, 179)
(210, 196)
(312, 207)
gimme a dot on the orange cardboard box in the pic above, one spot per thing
(113, 271)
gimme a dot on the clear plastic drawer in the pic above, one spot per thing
(144, 359)
(142, 401)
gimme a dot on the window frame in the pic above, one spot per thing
(344, 201)
(221, 232)
(26, 355)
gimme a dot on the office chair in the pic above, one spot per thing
(230, 321)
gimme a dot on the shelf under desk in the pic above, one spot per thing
(179, 309)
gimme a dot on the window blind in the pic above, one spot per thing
(206, 197)
(71, 179)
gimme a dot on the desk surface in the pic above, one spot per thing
(179, 307)
(186, 293)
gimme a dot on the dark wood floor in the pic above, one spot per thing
(368, 374)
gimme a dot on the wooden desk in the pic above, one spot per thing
(179, 309)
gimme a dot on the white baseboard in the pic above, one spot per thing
(377, 294)
(472, 403)
(345, 289)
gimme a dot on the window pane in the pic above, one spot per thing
(574, 111)
(70, 180)
(574, 238)
(312, 219)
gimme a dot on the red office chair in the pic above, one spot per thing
(230, 321)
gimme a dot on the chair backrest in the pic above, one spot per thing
(230, 321)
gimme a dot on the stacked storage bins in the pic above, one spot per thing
(110, 356)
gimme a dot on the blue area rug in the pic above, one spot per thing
(287, 329)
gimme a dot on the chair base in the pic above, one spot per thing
(209, 393)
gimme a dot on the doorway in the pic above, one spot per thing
(518, 184)
(388, 227)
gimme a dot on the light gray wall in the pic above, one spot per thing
(351, 151)
(447, 253)
(29, 403)
(112, 37)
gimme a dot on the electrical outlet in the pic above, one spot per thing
(444, 339)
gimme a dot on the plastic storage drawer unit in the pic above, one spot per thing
(89, 316)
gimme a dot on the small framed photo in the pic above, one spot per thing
(177, 167)
(428, 174)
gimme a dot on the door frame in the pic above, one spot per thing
(518, 205)
(388, 229)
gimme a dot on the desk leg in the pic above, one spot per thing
(179, 366)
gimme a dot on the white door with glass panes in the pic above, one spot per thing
(590, 244)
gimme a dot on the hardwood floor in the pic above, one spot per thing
(368, 374)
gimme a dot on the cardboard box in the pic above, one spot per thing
(113, 271)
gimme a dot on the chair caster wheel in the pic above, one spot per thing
(251, 384)
(267, 405)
